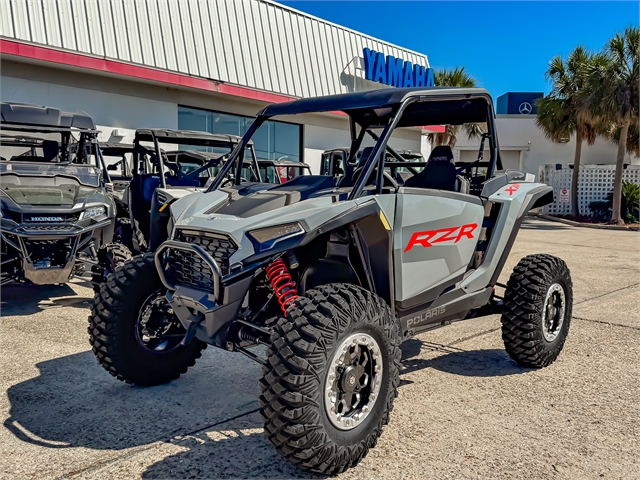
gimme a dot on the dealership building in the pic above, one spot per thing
(198, 65)
(211, 65)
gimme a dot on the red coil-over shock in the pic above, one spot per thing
(282, 283)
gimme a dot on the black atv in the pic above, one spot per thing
(57, 203)
(198, 159)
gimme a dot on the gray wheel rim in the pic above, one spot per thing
(353, 382)
(553, 312)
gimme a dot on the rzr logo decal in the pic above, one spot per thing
(444, 235)
(513, 189)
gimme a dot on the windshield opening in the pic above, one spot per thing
(49, 154)
(192, 164)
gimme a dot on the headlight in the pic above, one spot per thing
(269, 236)
(93, 212)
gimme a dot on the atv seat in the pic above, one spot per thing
(350, 176)
(439, 173)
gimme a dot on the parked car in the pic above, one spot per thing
(57, 200)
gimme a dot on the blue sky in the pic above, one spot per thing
(506, 46)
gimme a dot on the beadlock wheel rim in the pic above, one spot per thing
(158, 330)
(553, 312)
(353, 382)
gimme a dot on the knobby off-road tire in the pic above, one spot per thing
(113, 324)
(124, 233)
(110, 256)
(537, 310)
(293, 400)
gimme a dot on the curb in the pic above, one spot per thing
(585, 225)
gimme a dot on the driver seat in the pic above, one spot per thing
(439, 173)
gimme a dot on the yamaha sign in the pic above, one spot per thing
(395, 71)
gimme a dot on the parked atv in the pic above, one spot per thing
(56, 196)
(118, 158)
(332, 279)
(189, 169)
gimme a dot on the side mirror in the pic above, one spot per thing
(112, 167)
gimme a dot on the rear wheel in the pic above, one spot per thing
(331, 378)
(537, 310)
(110, 256)
(133, 330)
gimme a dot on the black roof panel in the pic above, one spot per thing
(26, 114)
(373, 106)
(186, 137)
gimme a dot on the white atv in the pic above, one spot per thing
(332, 275)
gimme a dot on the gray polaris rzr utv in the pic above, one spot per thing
(332, 278)
(56, 196)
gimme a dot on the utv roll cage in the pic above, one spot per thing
(386, 109)
(110, 149)
(23, 117)
(181, 138)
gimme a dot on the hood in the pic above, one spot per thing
(66, 195)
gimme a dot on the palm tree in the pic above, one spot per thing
(612, 98)
(455, 78)
(558, 112)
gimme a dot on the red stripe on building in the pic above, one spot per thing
(45, 54)
(144, 73)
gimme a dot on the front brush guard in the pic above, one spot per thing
(204, 314)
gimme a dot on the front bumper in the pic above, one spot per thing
(214, 309)
(22, 237)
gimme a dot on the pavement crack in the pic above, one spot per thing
(608, 293)
(471, 337)
(602, 322)
(135, 450)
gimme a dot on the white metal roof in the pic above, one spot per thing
(253, 43)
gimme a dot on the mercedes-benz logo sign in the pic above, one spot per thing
(525, 108)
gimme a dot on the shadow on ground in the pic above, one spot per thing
(22, 300)
(236, 449)
(75, 403)
(473, 363)
(210, 414)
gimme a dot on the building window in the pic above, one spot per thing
(272, 141)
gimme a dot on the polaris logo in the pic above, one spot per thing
(426, 316)
(46, 219)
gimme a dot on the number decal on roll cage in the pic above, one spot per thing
(443, 235)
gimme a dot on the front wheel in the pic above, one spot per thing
(537, 310)
(331, 378)
(134, 333)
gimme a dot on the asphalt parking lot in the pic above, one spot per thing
(465, 410)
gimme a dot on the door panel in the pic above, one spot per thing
(434, 240)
